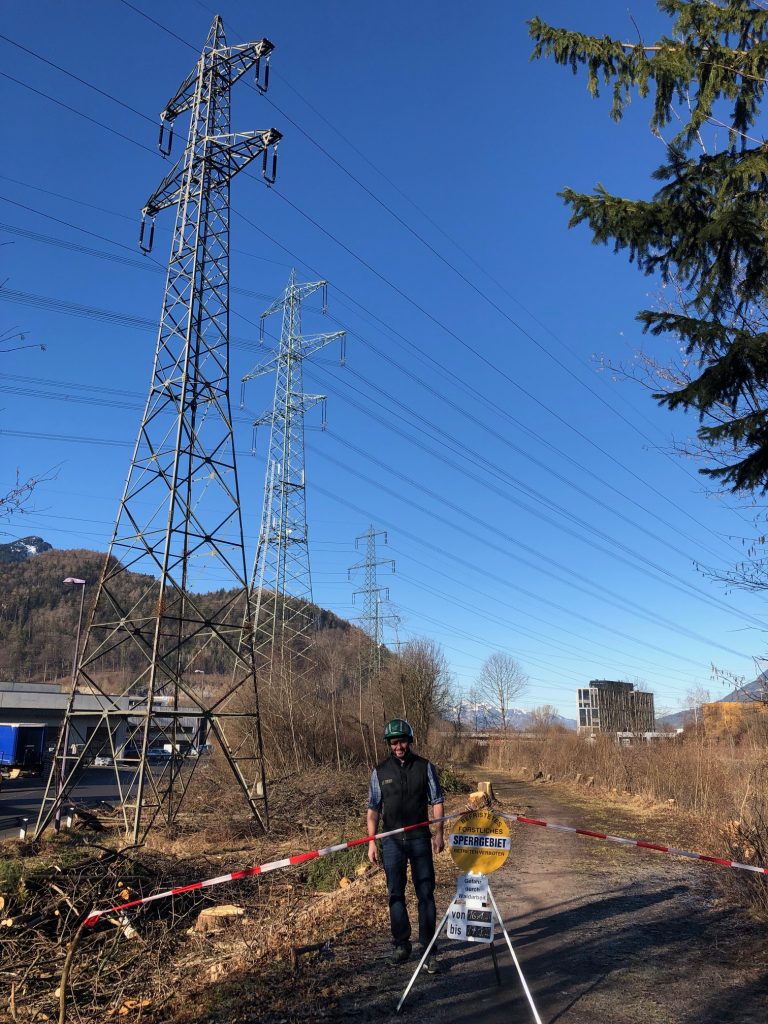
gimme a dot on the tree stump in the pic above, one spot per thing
(212, 919)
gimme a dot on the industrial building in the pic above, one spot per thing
(611, 707)
(47, 702)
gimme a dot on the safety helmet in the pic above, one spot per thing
(398, 728)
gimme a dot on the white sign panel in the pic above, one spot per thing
(473, 889)
(468, 924)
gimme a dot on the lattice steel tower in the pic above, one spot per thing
(166, 661)
(281, 582)
(372, 620)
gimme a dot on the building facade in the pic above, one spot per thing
(612, 707)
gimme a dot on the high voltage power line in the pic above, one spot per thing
(75, 309)
(671, 626)
(354, 300)
(408, 298)
(643, 564)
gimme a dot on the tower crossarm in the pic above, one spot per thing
(309, 344)
(229, 153)
(296, 293)
(237, 59)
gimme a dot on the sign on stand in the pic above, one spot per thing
(469, 925)
(479, 844)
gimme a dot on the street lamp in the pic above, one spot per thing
(71, 581)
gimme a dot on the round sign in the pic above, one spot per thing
(480, 842)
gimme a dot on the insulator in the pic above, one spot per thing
(262, 85)
(343, 350)
(146, 248)
(165, 140)
(270, 177)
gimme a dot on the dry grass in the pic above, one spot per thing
(721, 787)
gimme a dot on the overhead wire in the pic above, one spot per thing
(440, 434)
(418, 306)
(370, 268)
(50, 97)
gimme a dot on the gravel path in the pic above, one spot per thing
(603, 933)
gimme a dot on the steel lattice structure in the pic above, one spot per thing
(372, 621)
(281, 582)
(179, 519)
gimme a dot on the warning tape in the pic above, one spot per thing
(302, 858)
(722, 861)
(259, 869)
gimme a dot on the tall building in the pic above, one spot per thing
(612, 707)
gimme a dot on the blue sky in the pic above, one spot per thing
(531, 502)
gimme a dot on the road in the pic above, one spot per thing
(21, 798)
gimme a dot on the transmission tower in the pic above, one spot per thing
(372, 620)
(281, 584)
(157, 635)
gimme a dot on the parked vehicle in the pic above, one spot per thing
(22, 748)
(102, 762)
(158, 754)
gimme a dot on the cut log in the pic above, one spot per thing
(213, 919)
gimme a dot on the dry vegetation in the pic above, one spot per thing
(720, 786)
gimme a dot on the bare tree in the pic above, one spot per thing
(694, 699)
(425, 684)
(543, 719)
(501, 680)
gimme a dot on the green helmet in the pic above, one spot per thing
(398, 728)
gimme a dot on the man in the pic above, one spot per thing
(401, 788)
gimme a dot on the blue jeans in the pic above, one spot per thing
(397, 852)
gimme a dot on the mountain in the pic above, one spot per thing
(485, 716)
(39, 614)
(20, 550)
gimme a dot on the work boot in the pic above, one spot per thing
(401, 953)
(433, 965)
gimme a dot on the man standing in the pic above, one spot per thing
(401, 789)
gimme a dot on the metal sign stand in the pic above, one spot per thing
(489, 915)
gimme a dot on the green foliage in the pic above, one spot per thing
(325, 873)
(706, 227)
(11, 877)
(452, 781)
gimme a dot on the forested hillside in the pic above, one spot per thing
(38, 615)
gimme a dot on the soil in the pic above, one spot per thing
(602, 933)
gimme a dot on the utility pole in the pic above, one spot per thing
(281, 583)
(372, 620)
(179, 614)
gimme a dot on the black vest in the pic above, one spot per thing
(404, 792)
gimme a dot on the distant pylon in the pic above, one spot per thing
(372, 619)
(281, 582)
(179, 523)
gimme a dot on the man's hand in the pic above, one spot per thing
(438, 840)
(373, 853)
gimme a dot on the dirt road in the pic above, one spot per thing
(603, 933)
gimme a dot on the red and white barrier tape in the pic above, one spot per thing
(259, 869)
(722, 861)
(301, 858)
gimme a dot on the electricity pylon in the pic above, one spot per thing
(179, 517)
(372, 620)
(281, 583)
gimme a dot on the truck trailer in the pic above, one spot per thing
(22, 748)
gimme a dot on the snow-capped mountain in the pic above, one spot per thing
(25, 547)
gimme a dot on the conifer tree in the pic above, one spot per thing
(706, 227)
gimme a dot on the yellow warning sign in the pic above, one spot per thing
(480, 842)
